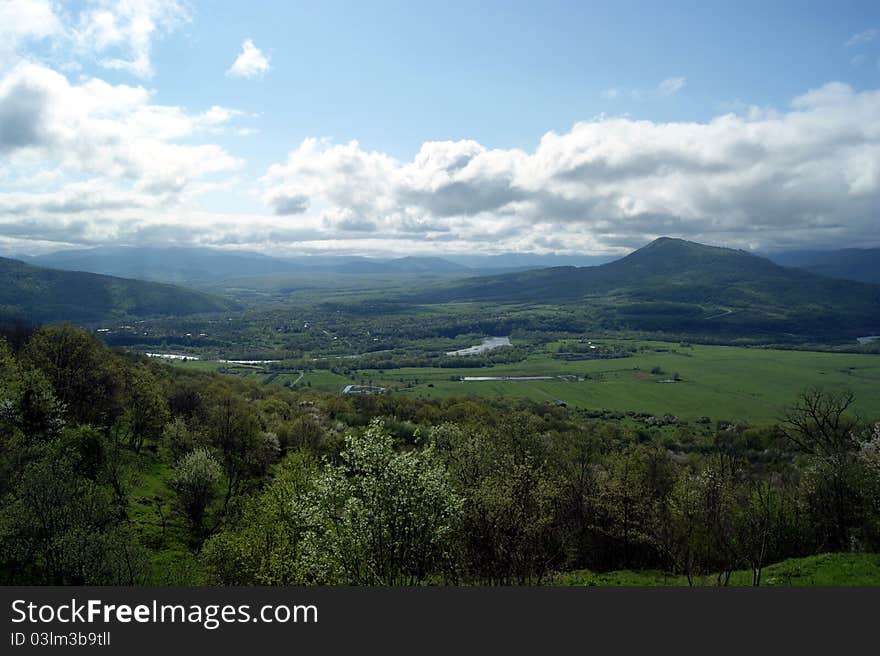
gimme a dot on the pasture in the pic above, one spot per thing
(689, 381)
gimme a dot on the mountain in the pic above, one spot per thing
(860, 264)
(677, 285)
(197, 266)
(176, 265)
(41, 295)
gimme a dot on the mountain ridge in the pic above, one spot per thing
(674, 278)
(44, 295)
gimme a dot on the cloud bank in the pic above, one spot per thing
(810, 173)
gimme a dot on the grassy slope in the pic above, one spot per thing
(832, 569)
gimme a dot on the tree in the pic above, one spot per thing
(234, 432)
(514, 512)
(388, 517)
(820, 426)
(275, 541)
(60, 527)
(145, 409)
(84, 376)
(195, 480)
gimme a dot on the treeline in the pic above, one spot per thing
(117, 470)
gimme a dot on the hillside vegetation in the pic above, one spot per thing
(676, 285)
(39, 295)
(118, 470)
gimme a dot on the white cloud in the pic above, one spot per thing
(862, 37)
(251, 62)
(671, 86)
(616, 93)
(22, 21)
(108, 132)
(120, 32)
(807, 174)
(668, 87)
(117, 34)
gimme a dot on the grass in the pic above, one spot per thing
(721, 382)
(171, 560)
(830, 569)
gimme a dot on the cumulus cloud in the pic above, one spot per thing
(251, 62)
(671, 86)
(97, 128)
(862, 37)
(808, 174)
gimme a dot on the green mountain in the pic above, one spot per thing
(40, 295)
(681, 286)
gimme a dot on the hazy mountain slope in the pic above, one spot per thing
(178, 265)
(196, 266)
(860, 264)
(42, 295)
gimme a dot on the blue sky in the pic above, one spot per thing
(377, 128)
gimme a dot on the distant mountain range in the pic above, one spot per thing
(668, 285)
(192, 266)
(41, 295)
(677, 285)
(198, 266)
(861, 264)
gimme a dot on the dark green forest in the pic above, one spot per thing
(119, 470)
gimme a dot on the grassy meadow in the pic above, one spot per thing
(720, 382)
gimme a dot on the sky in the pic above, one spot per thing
(480, 127)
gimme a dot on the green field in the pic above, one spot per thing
(716, 381)
(720, 382)
(834, 569)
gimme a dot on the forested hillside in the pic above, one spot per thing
(38, 295)
(677, 285)
(118, 470)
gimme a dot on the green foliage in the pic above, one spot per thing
(58, 527)
(512, 520)
(274, 543)
(379, 517)
(116, 469)
(195, 479)
(388, 517)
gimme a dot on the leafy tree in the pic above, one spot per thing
(275, 541)
(145, 408)
(388, 518)
(58, 527)
(195, 480)
(84, 375)
(234, 432)
(514, 510)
